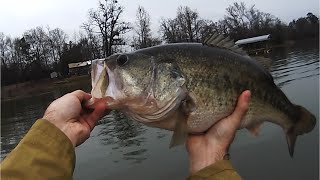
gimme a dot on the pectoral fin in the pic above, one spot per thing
(180, 133)
(188, 105)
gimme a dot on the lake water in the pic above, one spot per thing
(122, 149)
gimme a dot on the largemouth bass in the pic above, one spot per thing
(188, 87)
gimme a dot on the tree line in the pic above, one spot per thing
(40, 51)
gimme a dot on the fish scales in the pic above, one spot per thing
(188, 87)
(210, 78)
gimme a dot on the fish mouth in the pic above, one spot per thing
(105, 84)
(99, 78)
(115, 97)
(113, 89)
(109, 87)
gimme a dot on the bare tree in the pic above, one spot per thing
(3, 49)
(170, 30)
(6, 49)
(142, 29)
(186, 27)
(106, 21)
(38, 40)
(143, 37)
(21, 52)
(241, 21)
(95, 43)
(57, 38)
(189, 23)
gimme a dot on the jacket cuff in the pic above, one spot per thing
(221, 168)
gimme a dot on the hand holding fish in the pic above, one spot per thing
(208, 148)
(68, 114)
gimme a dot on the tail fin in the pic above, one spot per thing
(304, 124)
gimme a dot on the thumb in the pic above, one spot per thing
(97, 114)
(81, 95)
(241, 109)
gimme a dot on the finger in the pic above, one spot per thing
(81, 95)
(95, 116)
(225, 129)
(241, 108)
(90, 103)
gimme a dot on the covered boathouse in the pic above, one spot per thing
(79, 68)
(256, 45)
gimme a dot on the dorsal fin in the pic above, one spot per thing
(218, 40)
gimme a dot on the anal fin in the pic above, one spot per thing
(291, 140)
(254, 129)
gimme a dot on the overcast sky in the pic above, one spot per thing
(17, 16)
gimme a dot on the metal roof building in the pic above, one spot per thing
(79, 64)
(253, 39)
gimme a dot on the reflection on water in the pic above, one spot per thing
(296, 66)
(17, 116)
(117, 143)
(120, 132)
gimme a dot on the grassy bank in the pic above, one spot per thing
(39, 87)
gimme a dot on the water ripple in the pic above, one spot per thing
(297, 66)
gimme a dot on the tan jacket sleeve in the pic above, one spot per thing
(44, 153)
(221, 170)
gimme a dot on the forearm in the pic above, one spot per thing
(45, 152)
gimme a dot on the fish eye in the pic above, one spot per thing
(174, 74)
(122, 60)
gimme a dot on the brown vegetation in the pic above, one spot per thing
(33, 88)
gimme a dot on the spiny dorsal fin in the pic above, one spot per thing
(264, 62)
(218, 40)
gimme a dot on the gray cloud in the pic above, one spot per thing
(17, 16)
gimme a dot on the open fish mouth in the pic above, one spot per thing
(99, 78)
(113, 91)
(105, 84)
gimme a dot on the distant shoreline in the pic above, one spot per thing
(31, 88)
